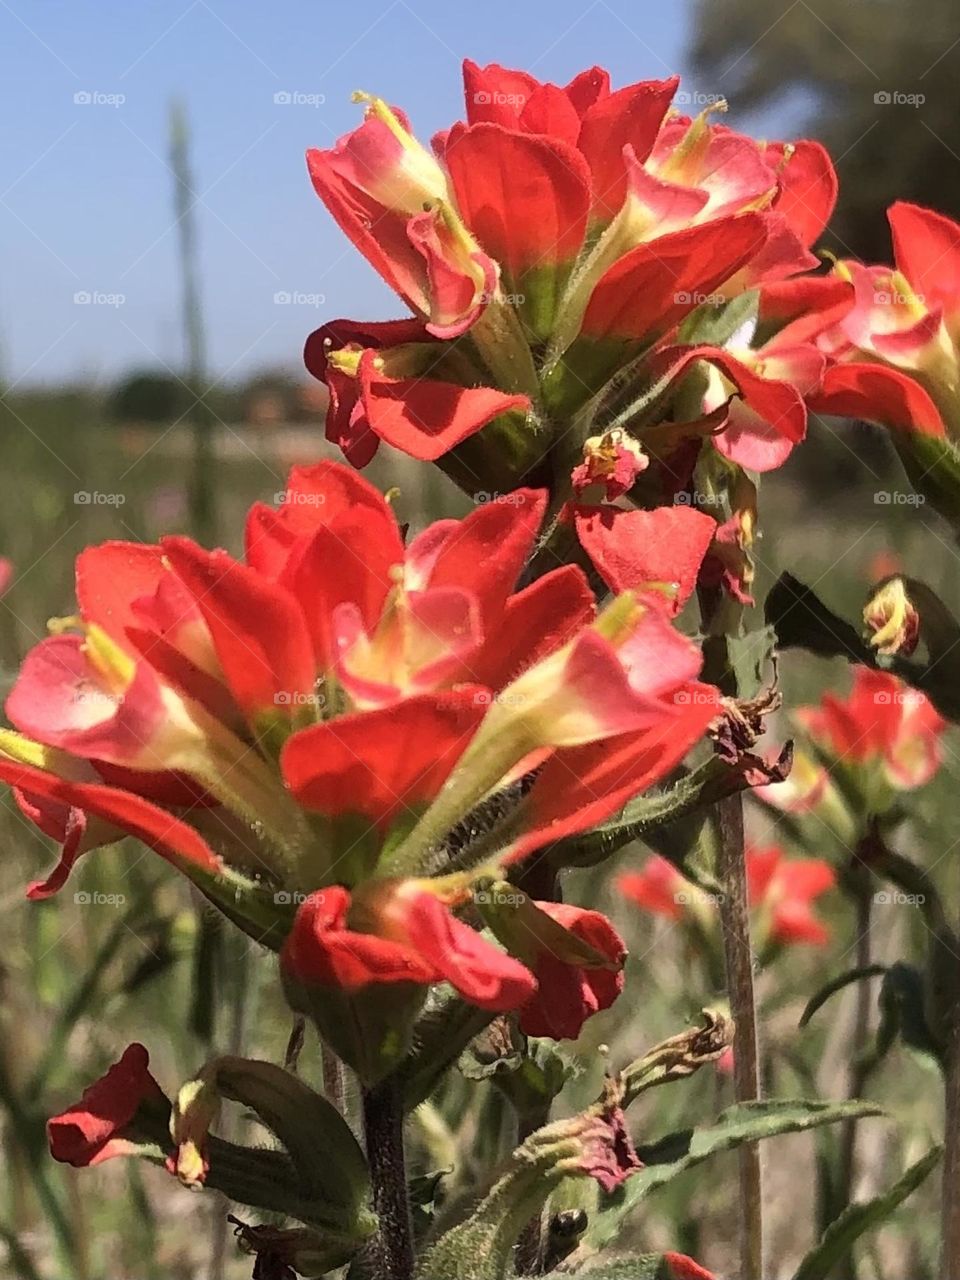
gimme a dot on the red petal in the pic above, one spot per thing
(58, 700)
(484, 975)
(630, 117)
(806, 306)
(808, 187)
(655, 888)
(588, 87)
(91, 1131)
(425, 419)
(110, 578)
(877, 393)
(495, 93)
(763, 439)
(524, 197)
(535, 623)
(346, 424)
(653, 286)
(385, 762)
(569, 994)
(380, 235)
(684, 1268)
(487, 550)
(549, 111)
(172, 838)
(258, 629)
(322, 949)
(927, 250)
(631, 549)
(581, 786)
(331, 569)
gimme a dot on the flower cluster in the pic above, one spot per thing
(302, 731)
(781, 892)
(860, 753)
(549, 240)
(352, 739)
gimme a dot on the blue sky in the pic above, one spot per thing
(86, 203)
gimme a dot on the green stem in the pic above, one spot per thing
(860, 1067)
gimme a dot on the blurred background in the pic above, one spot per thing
(164, 258)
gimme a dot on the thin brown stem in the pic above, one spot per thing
(738, 960)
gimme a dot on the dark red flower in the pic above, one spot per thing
(102, 1124)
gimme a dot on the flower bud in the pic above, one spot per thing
(893, 619)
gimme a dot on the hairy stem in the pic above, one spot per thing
(738, 960)
(860, 1067)
(950, 1211)
(392, 1248)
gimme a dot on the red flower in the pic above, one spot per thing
(329, 711)
(398, 932)
(894, 353)
(568, 993)
(883, 727)
(658, 554)
(103, 1123)
(781, 892)
(565, 229)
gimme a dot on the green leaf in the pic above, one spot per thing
(857, 1219)
(837, 984)
(802, 621)
(678, 1152)
(640, 817)
(933, 468)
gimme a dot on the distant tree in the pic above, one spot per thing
(148, 396)
(883, 81)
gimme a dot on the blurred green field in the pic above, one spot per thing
(83, 978)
